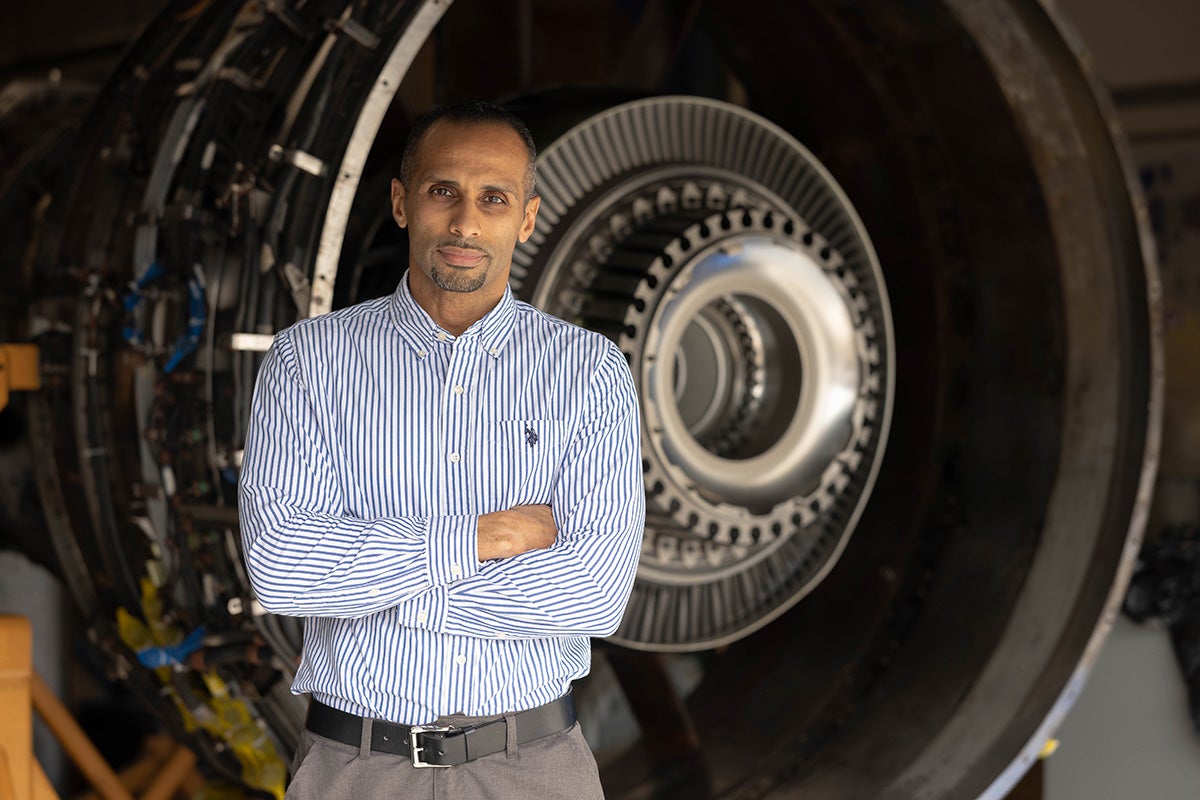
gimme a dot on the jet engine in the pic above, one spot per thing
(878, 269)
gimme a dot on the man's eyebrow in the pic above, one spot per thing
(502, 188)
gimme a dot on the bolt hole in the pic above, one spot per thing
(769, 220)
(807, 238)
(726, 224)
(789, 227)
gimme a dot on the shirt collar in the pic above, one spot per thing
(422, 334)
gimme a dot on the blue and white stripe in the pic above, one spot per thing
(375, 441)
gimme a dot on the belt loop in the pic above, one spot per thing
(510, 735)
(364, 742)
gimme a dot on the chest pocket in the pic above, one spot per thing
(528, 456)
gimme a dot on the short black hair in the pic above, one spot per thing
(470, 112)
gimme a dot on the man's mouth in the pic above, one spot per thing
(461, 256)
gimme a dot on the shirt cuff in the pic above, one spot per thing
(426, 611)
(453, 548)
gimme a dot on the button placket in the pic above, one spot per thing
(456, 414)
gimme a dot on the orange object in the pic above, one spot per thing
(158, 753)
(21, 777)
(21, 691)
(79, 748)
(16, 723)
(178, 767)
(19, 370)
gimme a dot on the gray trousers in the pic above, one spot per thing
(556, 767)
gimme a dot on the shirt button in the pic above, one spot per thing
(441, 337)
(454, 458)
(421, 354)
(374, 592)
(455, 570)
(495, 351)
(460, 660)
(459, 390)
(421, 617)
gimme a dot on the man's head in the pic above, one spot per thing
(469, 114)
(466, 195)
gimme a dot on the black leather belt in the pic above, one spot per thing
(437, 746)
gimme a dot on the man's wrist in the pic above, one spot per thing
(494, 538)
(503, 534)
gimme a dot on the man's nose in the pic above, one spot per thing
(465, 220)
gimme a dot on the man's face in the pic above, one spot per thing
(465, 206)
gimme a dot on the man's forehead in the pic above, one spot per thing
(475, 147)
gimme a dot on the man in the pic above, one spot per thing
(447, 484)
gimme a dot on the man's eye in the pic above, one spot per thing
(495, 199)
(440, 190)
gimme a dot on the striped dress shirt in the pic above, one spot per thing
(376, 439)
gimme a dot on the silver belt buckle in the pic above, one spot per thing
(413, 733)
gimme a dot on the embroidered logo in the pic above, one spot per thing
(531, 437)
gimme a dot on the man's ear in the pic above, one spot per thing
(398, 196)
(527, 224)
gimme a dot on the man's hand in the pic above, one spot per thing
(503, 534)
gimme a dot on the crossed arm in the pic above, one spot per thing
(563, 569)
(504, 534)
